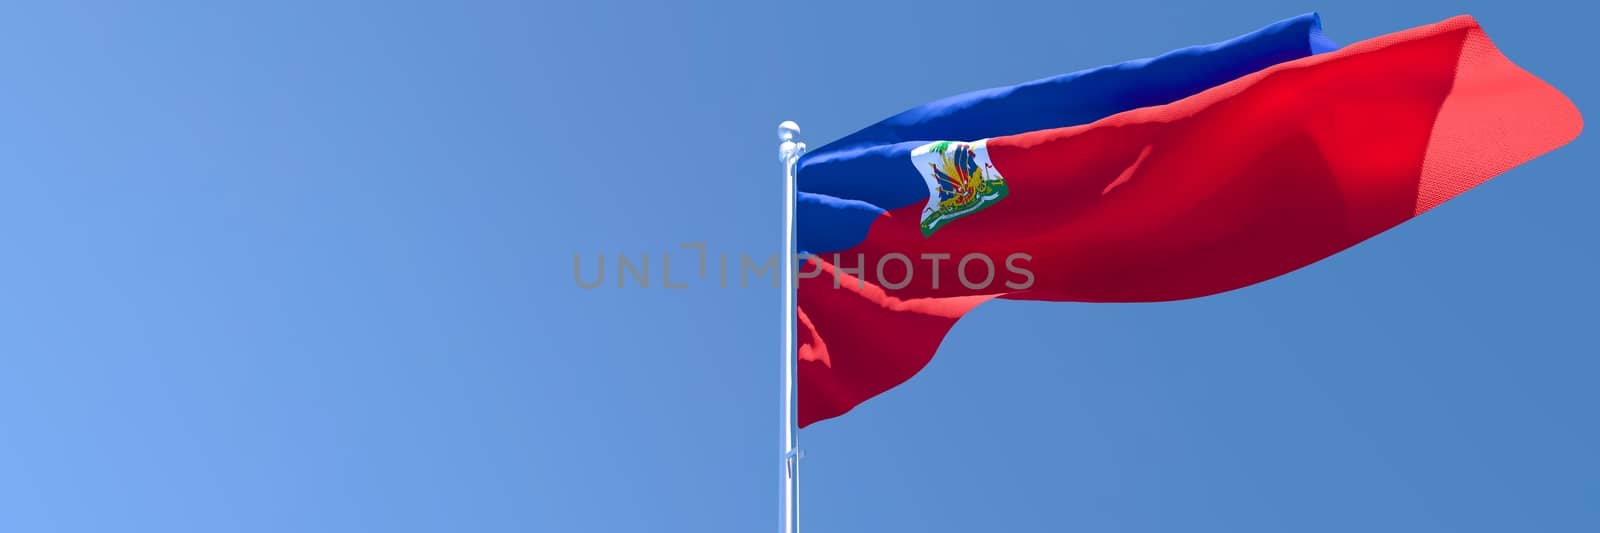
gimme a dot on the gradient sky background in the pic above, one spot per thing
(307, 266)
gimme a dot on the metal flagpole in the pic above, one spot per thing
(789, 151)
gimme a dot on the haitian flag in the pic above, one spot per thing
(1200, 171)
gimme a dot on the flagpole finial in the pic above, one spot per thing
(789, 136)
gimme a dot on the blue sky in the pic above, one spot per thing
(306, 266)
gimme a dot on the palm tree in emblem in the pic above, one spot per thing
(959, 179)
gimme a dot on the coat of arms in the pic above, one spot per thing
(961, 181)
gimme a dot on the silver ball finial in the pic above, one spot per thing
(789, 147)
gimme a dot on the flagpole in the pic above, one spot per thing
(789, 151)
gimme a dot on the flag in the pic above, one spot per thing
(1196, 172)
